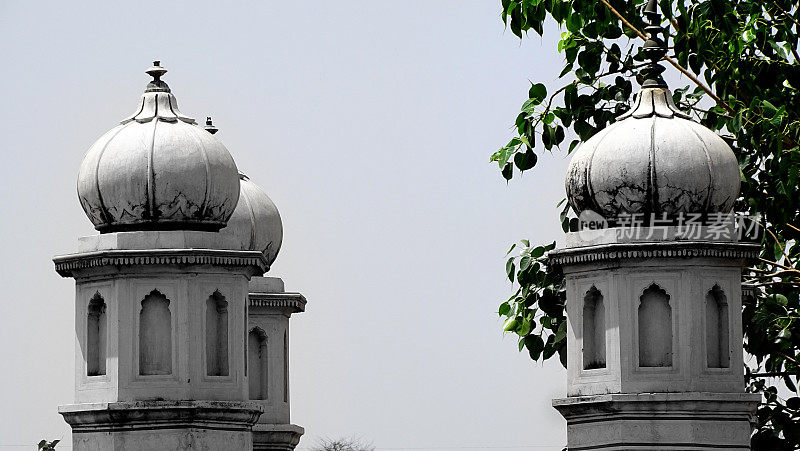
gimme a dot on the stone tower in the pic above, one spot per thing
(161, 326)
(257, 224)
(653, 283)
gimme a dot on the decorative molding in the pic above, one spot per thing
(149, 415)
(679, 421)
(682, 249)
(70, 265)
(276, 437)
(294, 302)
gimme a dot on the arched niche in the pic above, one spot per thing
(216, 335)
(285, 366)
(655, 328)
(258, 364)
(155, 335)
(717, 333)
(594, 330)
(96, 336)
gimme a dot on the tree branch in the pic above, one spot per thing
(674, 63)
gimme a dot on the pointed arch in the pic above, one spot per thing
(96, 336)
(216, 335)
(655, 328)
(257, 342)
(285, 366)
(718, 352)
(594, 330)
(155, 335)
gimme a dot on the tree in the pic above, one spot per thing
(742, 59)
(44, 445)
(342, 444)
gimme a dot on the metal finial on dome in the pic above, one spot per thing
(157, 85)
(209, 127)
(654, 48)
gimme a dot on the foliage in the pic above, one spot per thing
(742, 58)
(44, 445)
(342, 444)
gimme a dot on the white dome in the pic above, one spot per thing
(158, 170)
(653, 161)
(255, 222)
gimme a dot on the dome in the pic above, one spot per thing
(255, 222)
(158, 170)
(654, 160)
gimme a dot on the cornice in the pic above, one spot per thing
(72, 264)
(674, 249)
(293, 302)
(148, 415)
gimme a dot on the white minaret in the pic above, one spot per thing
(256, 223)
(654, 343)
(161, 295)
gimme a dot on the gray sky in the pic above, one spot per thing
(370, 124)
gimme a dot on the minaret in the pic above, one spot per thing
(271, 306)
(256, 224)
(161, 294)
(653, 282)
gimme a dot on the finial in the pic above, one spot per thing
(210, 126)
(654, 48)
(156, 71)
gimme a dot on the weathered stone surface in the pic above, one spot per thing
(119, 272)
(653, 161)
(659, 421)
(158, 253)
(654, 341)
(161, 425)
(276, 437)
(158, 170)
(255, 223)
(621, 273)
(270, 308)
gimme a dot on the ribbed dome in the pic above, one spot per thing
(255, 222)
(158, 170)
(654, 160)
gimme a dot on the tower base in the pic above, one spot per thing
(163, 425)
(276, 437)
(659, 421)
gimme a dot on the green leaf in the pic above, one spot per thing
(508, 171)
(749, 35)
(524, 327)
(735, 124)
(535, 345)
(562, 332)
(510, 269)
(510, 324)
(537, 93)
(780, 299)
(559, 135)
(529, 107)
(525, 160)
(769, 108)
(504, 309)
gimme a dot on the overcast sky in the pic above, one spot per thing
(370, 124)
